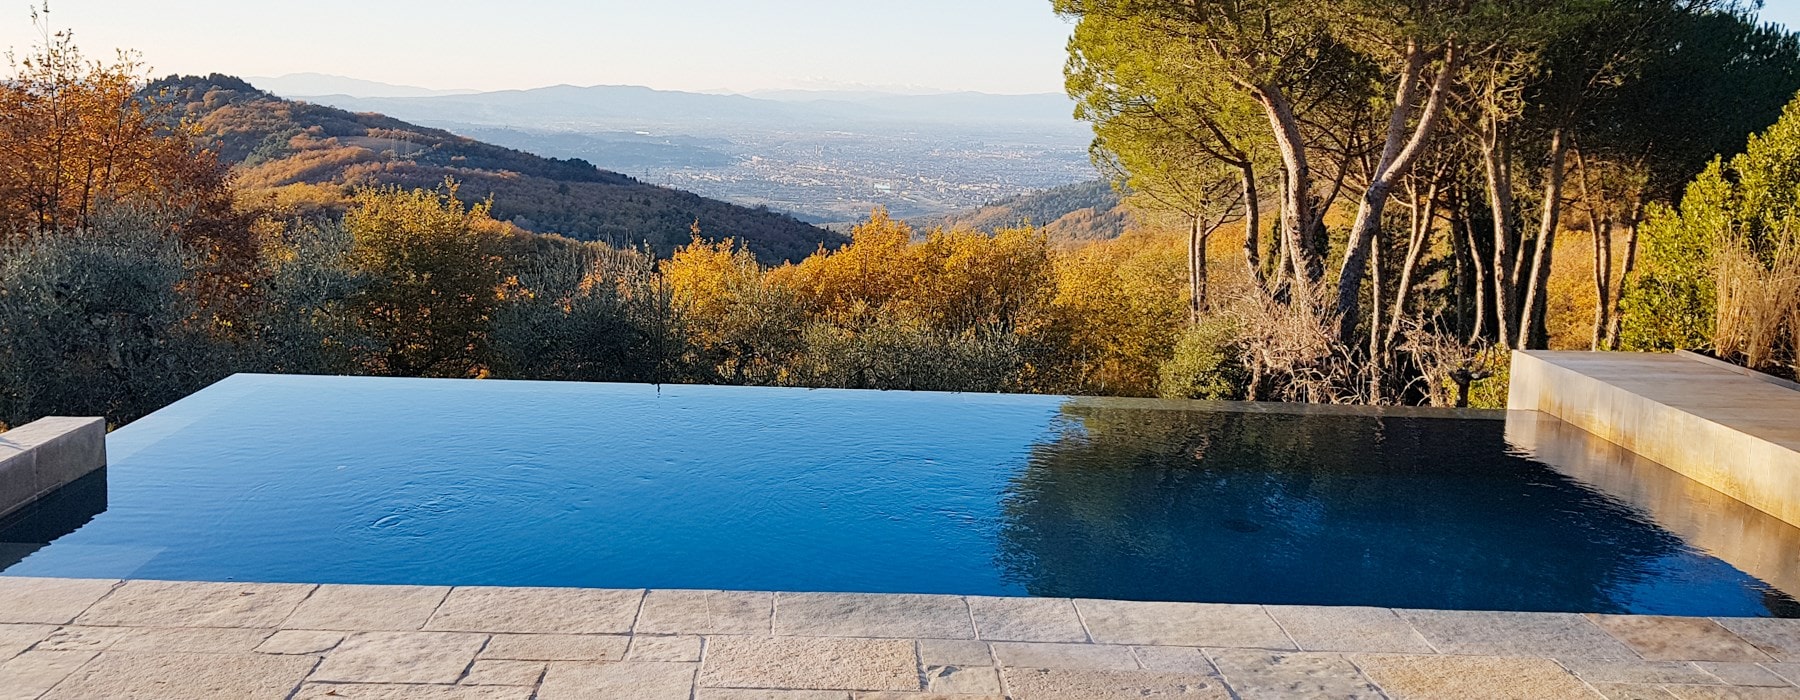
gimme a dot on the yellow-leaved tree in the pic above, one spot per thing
(435, 276)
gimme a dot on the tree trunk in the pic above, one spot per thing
(1600, 228)
(1632, 220)
(1478, 282)
(1283, 263)
(1297, 207)
(1196, 273)
(1533, 329)
(1415, 248)
(1252, 226)
(1402, 147)
(1499, 193)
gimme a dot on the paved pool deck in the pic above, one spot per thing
(82, 638)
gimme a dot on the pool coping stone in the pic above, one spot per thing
(75, 637)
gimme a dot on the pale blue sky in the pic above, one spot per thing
(1008, 46)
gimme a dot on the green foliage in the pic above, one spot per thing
(1750, 204)
(885, 352)
(1206, 364)
(99, 322)
(434, 267)
(586, 312)
(302, 321)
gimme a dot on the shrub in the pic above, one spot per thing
(97, 322)
(1207, 363)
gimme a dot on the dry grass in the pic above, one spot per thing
(1569, 316)
(1758, 321)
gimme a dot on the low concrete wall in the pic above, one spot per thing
(1723, 429)
(42, 456)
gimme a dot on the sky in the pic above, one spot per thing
(1784, 11)
(1001, 46)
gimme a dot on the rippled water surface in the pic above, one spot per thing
(360, 480)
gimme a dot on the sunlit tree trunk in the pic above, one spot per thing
(1600, 228)
(1252, 226)
(1404, 142)
(1533, 330)
(1422, 222)
(1499, 192)
(1297, 217)
(1626, 263)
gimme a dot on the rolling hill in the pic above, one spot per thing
(1083, 211)
(303, 157)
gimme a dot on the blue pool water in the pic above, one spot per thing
(362, 480)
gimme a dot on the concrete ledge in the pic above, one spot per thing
(1746, 371)
(42, 456)
(1729, 431)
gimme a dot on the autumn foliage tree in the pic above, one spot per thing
(435, 269)
(78, 137)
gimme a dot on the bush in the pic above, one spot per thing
(1207, 363)
(884, 352)
(587, 312)
(96, 322)
(303, 322)
(1720, 272)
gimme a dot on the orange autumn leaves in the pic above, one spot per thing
(77, 137)
(1099, 317)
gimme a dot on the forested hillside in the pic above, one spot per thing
(304, 158)
(1084, 211)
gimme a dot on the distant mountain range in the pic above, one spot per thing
(322, 84)
(307, 157)
(1082, 211)
(828, 156)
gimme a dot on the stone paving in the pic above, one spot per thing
(96, 639)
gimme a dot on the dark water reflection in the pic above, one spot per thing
(1341, 510)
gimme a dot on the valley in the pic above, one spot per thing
(825, 157)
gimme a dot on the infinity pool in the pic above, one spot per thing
(363, 480)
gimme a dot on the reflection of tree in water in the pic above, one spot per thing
(1337, 510)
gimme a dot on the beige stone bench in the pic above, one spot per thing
(42, 456)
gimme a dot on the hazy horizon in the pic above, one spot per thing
(450, 90)
(684, 45)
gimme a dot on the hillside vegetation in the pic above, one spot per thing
(1084, 211)
(302, 158)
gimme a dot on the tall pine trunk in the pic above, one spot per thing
(1498, 172)
(1533, 328)
(1404, 141)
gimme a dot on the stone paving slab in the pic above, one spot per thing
(81, 639)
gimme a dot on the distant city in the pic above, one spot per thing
(826, 157)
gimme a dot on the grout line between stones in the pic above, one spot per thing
(638, 614)
(1360, 671)
(1264, 609)
(1082, 618)
(317, 661)
(1415, 629)
(435, 609)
